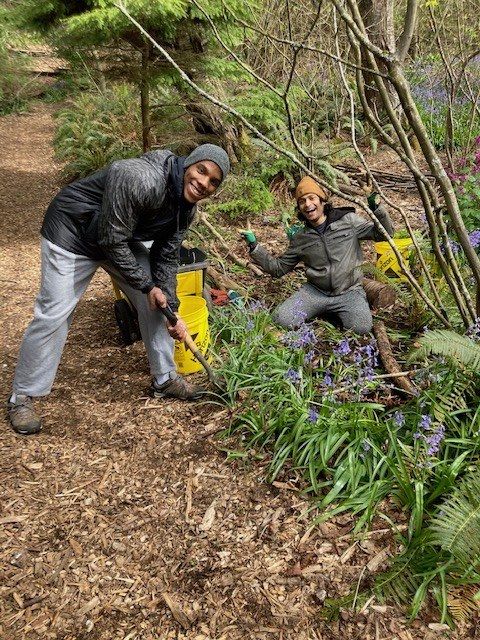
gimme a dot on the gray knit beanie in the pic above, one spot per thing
(209, 152)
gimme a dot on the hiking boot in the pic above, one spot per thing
(22, 415)
(177, 388)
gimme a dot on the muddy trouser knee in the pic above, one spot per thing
(353, 311)
(158, 342)
(350, 307)
(64, 278)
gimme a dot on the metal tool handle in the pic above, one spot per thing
(170, 316)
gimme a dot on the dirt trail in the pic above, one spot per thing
(118, 520)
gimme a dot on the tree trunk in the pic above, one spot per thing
(145, 97)
(377, 16)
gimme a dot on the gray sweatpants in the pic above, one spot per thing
(351, 308)
(64, 279)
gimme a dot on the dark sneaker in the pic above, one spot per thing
(22, 416)
(178, 388)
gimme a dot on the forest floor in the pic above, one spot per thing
(121, 520)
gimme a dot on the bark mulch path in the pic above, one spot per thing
(119, 520)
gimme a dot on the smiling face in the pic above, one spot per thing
(201, 180)
(311, 208)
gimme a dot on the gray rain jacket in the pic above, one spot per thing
(332, 258)
(128, 201)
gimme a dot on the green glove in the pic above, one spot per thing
(295, 228)
(372, 201)
(248, 236)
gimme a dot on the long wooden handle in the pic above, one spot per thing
(172, 319)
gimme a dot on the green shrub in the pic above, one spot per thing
(245, 195)
(15, 87)
(97, 128)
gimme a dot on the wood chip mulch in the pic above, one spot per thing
(120, 521)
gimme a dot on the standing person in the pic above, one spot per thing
(100, 221)
(328, 244)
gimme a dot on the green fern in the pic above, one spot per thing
(461, 349)
(456, 527)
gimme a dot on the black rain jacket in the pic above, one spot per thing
(128, 201)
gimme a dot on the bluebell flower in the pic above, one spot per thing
(327, 380)
(399, 418)
(343, 348)
(474, 330)
(292, 376)
(257, 305)
(312, 415)
(249, 326)
(366, 446)
(300, 338)
(308, 357)
(434, 440)
(474, 238)
(425, 422)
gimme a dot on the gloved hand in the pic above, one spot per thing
(372, 201)
(295, 228)
(248, 236)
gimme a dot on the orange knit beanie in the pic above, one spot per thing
(308, 185)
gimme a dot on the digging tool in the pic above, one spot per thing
(172, 319)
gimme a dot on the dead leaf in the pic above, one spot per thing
(177, 612)
(435, 626)
(76, 547)
(377, 560)
(208, 518)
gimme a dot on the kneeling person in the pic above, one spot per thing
(328, 244)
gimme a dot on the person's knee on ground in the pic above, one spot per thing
(361, 324)
(286, 317)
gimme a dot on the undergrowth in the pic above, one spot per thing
(314, 402)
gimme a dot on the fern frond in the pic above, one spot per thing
(462, 603)
(461, 349)
(456, 527)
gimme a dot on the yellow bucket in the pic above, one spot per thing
(387, 260)
(193, 311)
(190, 283)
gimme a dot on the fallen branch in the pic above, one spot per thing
(389, 361)
(224, 282)
(202, 218)
(379, 294)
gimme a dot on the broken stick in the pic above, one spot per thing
(389, 361)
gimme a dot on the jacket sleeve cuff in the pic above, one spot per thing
(147, 288)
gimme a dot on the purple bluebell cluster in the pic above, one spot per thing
(432, 436)
(399, 418)
(343, 348)
(312, 415)
(257, 305)
(474, 330)
(300, 338)
(327, 379)
(474, 238)
(454, 246)
(299, 315)
(308, 357)
(292, 376)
